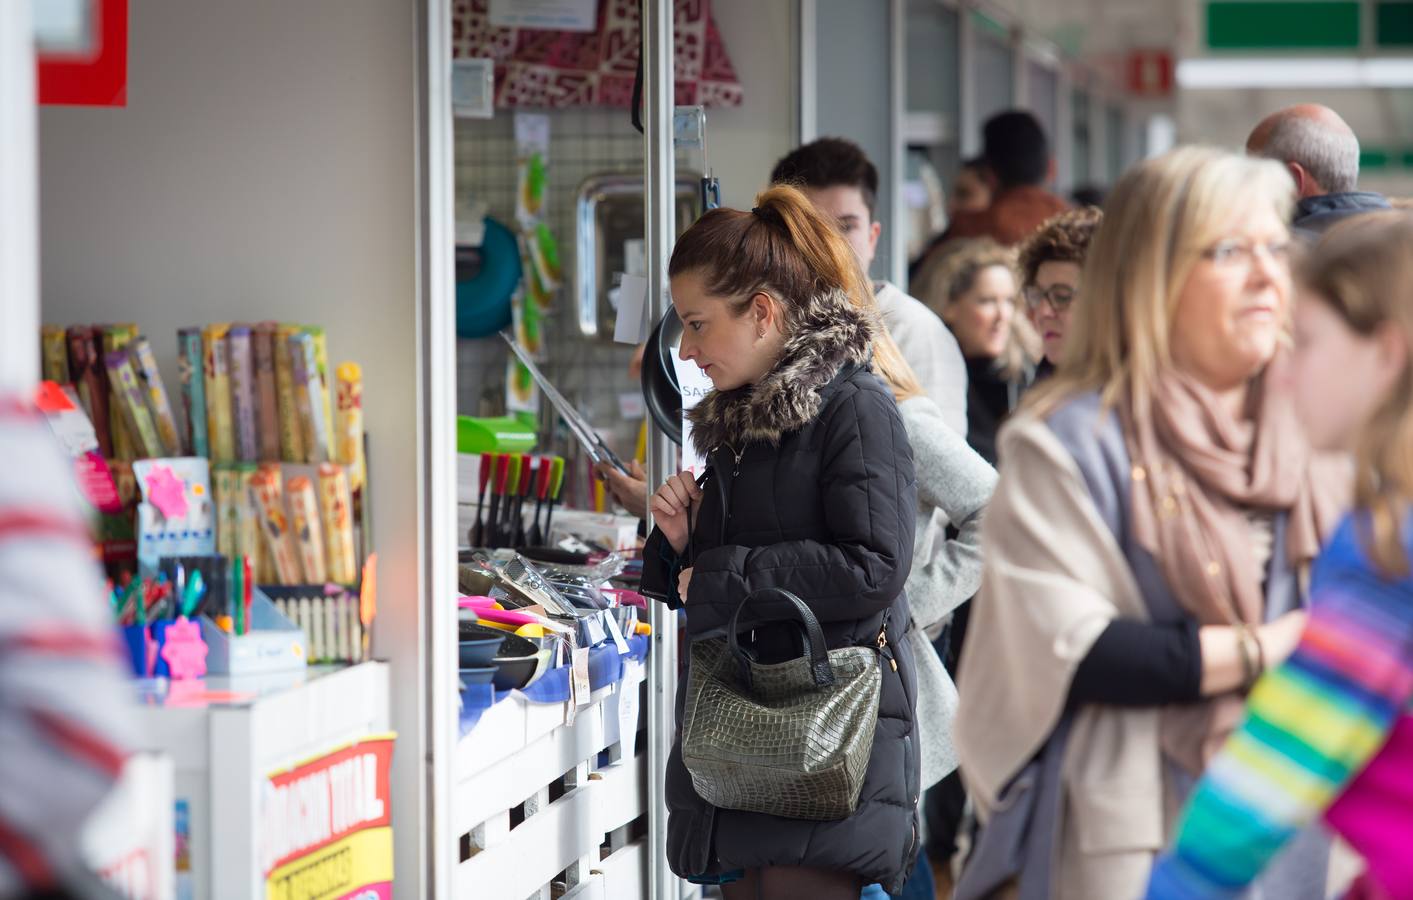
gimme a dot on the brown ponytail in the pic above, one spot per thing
(784, 247)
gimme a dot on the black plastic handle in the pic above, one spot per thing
(820, 669)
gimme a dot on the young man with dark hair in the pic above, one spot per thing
(837, 175)
(1017, 153)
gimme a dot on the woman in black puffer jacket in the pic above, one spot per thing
(810, 489)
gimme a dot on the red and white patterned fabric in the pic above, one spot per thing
(558, 69)
(66, 709)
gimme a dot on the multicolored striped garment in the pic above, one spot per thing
(1316, 741)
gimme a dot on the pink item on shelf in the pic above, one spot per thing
(626, 597)
(167, 492)
(509, 617)
(477, 603)
(183, 649)
(488, 609)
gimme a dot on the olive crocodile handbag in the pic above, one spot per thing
(789, 739)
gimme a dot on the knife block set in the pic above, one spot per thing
(513, 485)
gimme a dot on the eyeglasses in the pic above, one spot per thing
(1234, 254)
(1059, 296)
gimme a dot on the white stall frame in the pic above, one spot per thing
(509, 761)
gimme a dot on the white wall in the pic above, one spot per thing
(264, 169)
(743, 144)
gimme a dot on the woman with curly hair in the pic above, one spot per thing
(1051, 262)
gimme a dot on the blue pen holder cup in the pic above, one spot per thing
(159, 637)
(137, 640)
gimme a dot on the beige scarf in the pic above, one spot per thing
(1197, 472)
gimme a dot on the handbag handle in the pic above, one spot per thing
(820, 670)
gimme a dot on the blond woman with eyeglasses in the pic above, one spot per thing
(1157, 506)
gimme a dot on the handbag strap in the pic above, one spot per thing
(820, 670)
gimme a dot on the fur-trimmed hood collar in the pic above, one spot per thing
(832, 333)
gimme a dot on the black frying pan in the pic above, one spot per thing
(661, 391)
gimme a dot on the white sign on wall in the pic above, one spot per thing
(553, 15)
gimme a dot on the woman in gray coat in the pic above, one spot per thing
(954, 484)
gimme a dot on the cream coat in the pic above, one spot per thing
(1053, 578)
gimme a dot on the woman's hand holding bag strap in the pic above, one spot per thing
(790, 739)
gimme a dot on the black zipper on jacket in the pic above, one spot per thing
(723, 489)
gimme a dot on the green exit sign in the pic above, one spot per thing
(1283, 24)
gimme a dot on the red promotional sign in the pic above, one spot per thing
(1150, 73)
(97, 77)
(325, 825)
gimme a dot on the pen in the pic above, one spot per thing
(249, 590)
(191, 597)
(238, 602)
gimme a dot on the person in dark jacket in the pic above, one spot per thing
(810, 488)
(1321, 153)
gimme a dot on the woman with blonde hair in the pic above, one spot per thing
(1329, 733)
(972, 287)
(1145, 547)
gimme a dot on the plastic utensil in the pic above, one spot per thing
(626, 597)
(526, 478)
(478, 532)
(556, 485)
(504, 532)
(537, 534)
(465, 602)
(510, 617)
(498, 491)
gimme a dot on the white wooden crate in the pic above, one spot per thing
(513, 756)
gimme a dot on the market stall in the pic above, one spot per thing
(254, 431)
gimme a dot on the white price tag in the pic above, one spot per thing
(580, 676)
(594, 626)
(615, 633)
(628, 708)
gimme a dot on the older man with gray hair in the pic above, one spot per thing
(1322, 154)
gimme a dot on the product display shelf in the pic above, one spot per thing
(538, 796)
(226, 736)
